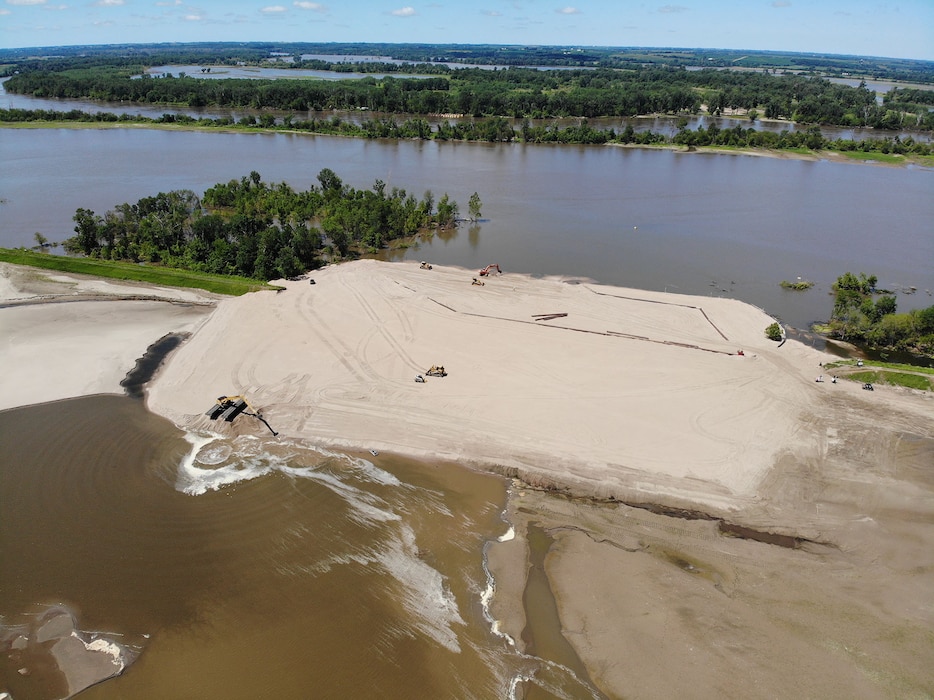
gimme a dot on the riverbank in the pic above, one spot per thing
(592, 396)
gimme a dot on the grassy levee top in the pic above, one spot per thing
(151, 274)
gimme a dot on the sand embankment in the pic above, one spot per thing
(628, 393)
(70, 335)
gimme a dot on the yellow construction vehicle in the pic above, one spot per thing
(436, 371)
(229, 407)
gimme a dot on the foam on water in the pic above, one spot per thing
(510, 534)
(425, 594)
(195, 480)
(215, 462)
(486, 597)
(370, 472)
(106, 647)
(245, 458)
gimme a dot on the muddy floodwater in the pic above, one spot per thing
(247, 567)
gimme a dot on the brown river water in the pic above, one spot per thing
(250, 568)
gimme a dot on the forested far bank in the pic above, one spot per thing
(509, 92)
(500, 130)
(258, 230)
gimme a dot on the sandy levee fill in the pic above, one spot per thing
(64, 335)
(626, 393)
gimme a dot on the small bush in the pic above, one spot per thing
(773, 332)
(798, 286)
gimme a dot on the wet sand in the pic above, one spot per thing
(73, 335)
(631, 399)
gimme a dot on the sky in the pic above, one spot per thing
(899, 29)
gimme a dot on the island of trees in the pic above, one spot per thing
(263, 231)
(866, 315)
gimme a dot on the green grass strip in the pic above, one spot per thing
(912, 381)
(893, 158)
(138, 272)
(881, 365)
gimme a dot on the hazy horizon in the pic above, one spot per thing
(838, 27)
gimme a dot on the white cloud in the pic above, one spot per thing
(313, 6)
(25, 2)
(404, 12)
(4, 11)
(272, 9)
(492, 13)
(568, 11)
(668, 9)
(192, 18)
(109, 3)
(169, 3)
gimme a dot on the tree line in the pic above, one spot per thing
(293, 53)
(863, 313)
(501, 130)
(511, 92)
(253, 229)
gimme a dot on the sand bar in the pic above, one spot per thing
(626, 393)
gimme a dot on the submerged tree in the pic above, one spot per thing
(251, 228)
(474, 206)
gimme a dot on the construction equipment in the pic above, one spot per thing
(425, 266)
(477, 282)
(868, 387)
(229, 407)
(436, 371)
(489, 268)
(419, 379)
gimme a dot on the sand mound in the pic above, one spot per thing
(610, 391)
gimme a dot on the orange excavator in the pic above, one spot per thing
(489, 268)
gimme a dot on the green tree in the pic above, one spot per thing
(885, 305)
(447, 211)
(474, 206)
(87, 228)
